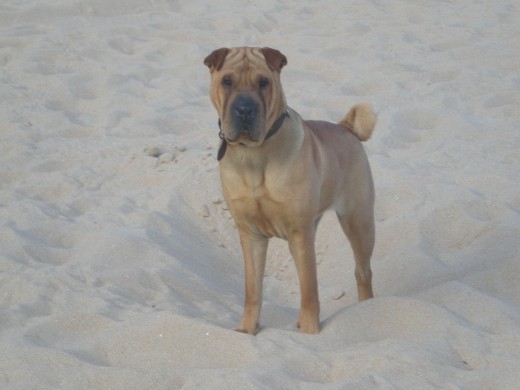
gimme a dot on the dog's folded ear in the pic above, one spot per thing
(274, 59)
(216, 59)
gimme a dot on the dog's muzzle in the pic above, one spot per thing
(272, 131)
(244, 114)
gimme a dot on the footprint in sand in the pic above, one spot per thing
(456, 226)
(46, 245)
(366, 88)
(82, 87)
(124, 45)
(411, 126)
(502, 99)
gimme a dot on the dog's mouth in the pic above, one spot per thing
(243, 138)
(243, 135)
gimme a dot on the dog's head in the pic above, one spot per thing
(246, 91)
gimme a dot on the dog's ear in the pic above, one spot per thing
(274, 59)
(216, 59)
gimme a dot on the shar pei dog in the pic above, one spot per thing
(280, 173)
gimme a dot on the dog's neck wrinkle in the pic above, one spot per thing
(245, 157)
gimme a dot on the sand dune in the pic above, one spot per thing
(119, 262)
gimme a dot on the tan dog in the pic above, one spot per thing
(280, 173)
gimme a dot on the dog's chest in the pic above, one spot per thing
(267, 200)
(259, 208)
(261, 215)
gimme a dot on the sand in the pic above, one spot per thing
(120, 266)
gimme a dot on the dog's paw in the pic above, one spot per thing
(250, 331)
(308, 328)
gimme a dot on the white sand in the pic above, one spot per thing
(120, 267)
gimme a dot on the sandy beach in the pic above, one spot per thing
(120, 266)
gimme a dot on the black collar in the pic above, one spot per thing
(272, 131)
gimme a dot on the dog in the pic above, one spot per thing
(280, 173)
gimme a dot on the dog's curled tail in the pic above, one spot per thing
(361, 120)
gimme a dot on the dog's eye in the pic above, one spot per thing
(226, 81)
(263, 82)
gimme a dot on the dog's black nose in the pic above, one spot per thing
(245, 110)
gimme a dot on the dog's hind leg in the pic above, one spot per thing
(360, 230)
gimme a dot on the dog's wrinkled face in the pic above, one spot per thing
(246, 91)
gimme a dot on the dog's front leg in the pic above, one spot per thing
(301, 245)
(254, 249)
